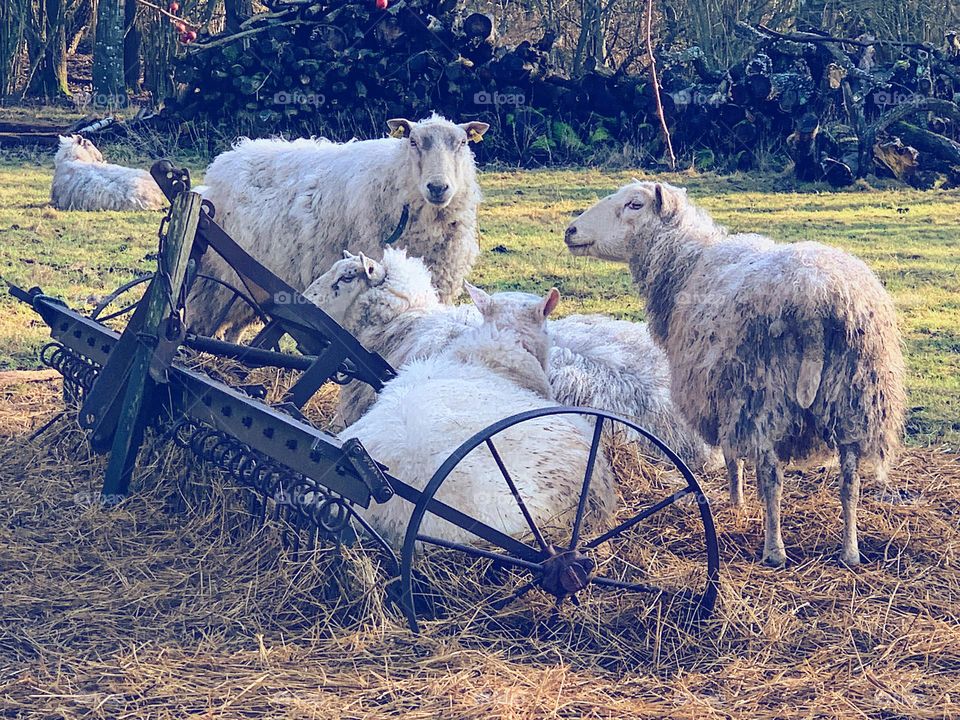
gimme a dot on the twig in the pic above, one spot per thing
(811, 37)
(169, 14)
(656, 88)
(200, 46)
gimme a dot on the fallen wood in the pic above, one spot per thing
(940, 147)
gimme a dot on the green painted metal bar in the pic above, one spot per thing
(164, 289)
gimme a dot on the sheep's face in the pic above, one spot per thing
(337, 290)
(439, 155)
(620, 223)
(521, 313)
(77, 148)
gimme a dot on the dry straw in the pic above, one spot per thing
(173, 606)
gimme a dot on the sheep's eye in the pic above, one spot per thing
(634, 205)
(413, 143)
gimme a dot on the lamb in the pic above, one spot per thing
(82, 180)
(435, 404)
(295, 205)
(778, 353)
(595, 361)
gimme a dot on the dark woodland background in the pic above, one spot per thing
(835, 90)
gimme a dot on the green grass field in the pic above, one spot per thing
(911, 239)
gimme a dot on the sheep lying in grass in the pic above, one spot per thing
(82, 180)
(436, 403)
(595, 361)
(779, 353)
(295, 205)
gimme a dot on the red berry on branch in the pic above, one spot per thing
(174, 7)
(382, 4)
(181, 26)
(191, 36)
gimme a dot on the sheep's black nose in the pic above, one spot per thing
(438, 189)
(571, 231)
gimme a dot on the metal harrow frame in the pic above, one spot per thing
(125, 382)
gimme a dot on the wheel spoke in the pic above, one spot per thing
(585, 490)
(516, 495)
(641, 516)
(623, 585)
(478, 552)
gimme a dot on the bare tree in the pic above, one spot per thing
(47, 46)
(237, 11)
(108, 54)
(132, 46)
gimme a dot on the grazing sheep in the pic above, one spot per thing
(435, 404)
(779, 353)
(82, 180)
(595, 361)
(296, 205)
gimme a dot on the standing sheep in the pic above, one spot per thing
(595, 361)
(82, 180)
(779, 353)
(435, 404)
(296, 205)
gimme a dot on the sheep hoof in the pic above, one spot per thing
(850, 558)
(775, 558)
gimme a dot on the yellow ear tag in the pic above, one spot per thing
(475, 137)
(398, 132)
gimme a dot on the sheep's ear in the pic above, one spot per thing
(475, 130)
(399, 127)
(666, 200)
(369, 266)
(347, 255)
(480, 298)
(549, 302)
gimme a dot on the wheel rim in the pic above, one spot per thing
(235, 294)
(563, 570)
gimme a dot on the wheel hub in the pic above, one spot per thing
(566, 572)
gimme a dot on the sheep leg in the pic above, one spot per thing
(849, 497)
(735, 476)
(770, 479)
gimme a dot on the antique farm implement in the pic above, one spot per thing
(127, 382)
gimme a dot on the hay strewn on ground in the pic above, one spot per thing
(167, 608)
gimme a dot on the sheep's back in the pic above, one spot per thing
(423, 415)
(740, 326)
(296, 205)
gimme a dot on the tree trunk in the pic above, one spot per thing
(10, 28)
(108, 86)
(237, 11)
(48, 52)
(132, 44)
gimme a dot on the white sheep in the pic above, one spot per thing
(82, 180)
(436, 403)
(779, 353)
(594, 361)
(295, 206)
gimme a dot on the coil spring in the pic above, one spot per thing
(299, 498)
(78, 372)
